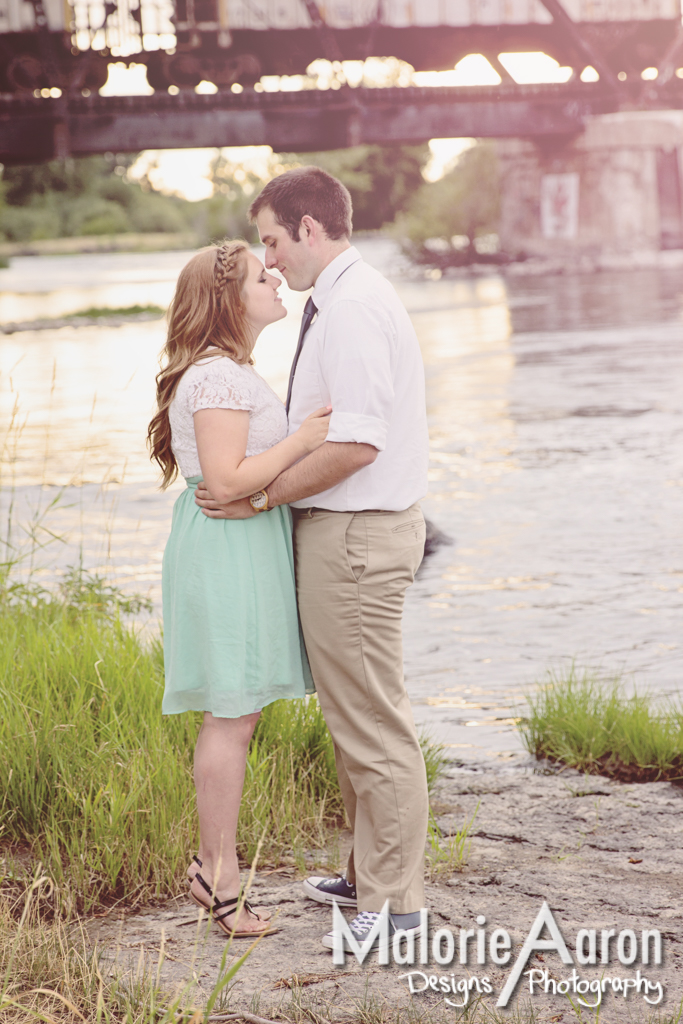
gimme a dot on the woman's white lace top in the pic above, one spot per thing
(221, 383)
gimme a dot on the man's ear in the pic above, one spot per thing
(309, 229)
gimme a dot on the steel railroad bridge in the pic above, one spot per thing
(33, 130)
(35, 127)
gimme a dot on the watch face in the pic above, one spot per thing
(259, 500)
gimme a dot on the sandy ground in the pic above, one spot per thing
(602, 855)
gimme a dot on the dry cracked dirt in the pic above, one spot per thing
(603, 855)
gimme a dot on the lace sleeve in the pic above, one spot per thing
(222, 385)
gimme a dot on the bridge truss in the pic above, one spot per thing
(35, 127)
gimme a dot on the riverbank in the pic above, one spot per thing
(127, 241)
(98, 318)
(86, 761)
(547, 266)
(602, 854)
(522, 266)
(591, 263)
(152, 241)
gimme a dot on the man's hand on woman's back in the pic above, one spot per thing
(240, 509)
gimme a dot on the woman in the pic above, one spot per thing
(231, 634)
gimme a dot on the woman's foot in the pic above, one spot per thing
(250, 919)
(246, 923)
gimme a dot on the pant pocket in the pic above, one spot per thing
(410, 537)
(412, 524)
(356, 544)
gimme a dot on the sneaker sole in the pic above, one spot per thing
(328, 943)
(327, 897)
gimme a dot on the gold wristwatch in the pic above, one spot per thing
(259, 501)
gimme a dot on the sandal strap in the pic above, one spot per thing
(204, 884)
(196, 859)
(230, 906)
(224, 904)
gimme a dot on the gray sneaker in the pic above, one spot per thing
(360, 928)
(331, 890)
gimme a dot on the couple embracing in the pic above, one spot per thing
(315, 502)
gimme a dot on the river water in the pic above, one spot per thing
(556, 419)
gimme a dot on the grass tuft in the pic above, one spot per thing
(590, 724)
(97, 786)
(449, 853)
(97, 312)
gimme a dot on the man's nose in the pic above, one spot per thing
(271, 260)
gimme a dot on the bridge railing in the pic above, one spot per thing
(68, 43)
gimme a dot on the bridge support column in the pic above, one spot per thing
(614, 189)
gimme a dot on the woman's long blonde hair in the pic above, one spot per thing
(207, 310)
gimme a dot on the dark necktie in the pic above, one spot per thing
(310, 309)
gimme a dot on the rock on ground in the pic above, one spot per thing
(603, 855)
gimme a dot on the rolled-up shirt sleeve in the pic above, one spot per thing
(357, 367)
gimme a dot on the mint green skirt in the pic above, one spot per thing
(232, 639)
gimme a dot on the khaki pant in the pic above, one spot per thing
(353, 569)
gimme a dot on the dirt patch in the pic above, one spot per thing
(612, 766)
(604, 855)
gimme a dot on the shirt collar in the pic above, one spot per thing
(331, 274)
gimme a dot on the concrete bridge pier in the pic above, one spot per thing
(614, 190)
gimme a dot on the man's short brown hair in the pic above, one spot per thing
(307, 190)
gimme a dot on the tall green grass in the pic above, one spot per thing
(97, 786)
(50, 972)
(590, 724)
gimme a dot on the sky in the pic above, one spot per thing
(184, 171)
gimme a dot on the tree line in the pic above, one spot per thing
(97, 195)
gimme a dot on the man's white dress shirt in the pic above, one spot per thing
(361, 356)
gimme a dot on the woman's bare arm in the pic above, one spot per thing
(333, 462)
(221, 436)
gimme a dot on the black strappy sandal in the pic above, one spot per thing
(205, 885)
(218, 905)
(220, 918)
(198, 862)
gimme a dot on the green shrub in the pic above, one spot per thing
(85, 196)
(465, 202)
(592, 725)
(91, 215)
(150, 211)
(29, 223)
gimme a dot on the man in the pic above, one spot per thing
(359, 532)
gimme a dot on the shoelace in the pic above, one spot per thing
(364, 921)
(332, 881)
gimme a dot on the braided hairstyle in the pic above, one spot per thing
(227, 257)
(207, 313)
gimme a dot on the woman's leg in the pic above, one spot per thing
(219, 766)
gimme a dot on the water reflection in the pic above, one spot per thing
(36, 287)
(568, 545)
(555, 410)
(82, 396)
(468, 356)
(573, 302)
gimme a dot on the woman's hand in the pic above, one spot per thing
(313, 430)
